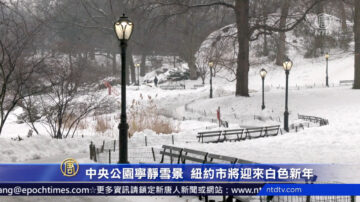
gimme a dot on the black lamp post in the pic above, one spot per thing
(211, 65)
(327, 65)
(263, 73)
(123, 29)
(138, 73)
(287, 67)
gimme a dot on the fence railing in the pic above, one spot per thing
(96, 153)
(314, 119)
(146, 152)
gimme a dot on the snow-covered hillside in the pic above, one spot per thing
(221, 47)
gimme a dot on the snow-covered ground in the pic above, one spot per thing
(338, 104)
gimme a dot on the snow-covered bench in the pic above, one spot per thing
(257, 132)
(173, 87)
(210, 136)
(346, 82)
(185, 155)
(237, 134)
(234, 134)
(299, 125)
(221, 135)
(196, 86)
(314, 119)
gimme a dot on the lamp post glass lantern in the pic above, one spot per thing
(287, 65)
(263, 73)
(123, 29)
(327, 66)
(211, 65)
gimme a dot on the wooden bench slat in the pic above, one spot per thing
(186, 154)
(171, 147)
(169, 154)
(243, 161)
(209, 132)
(194, 151)
(215, 135)
(220, 157)
(190, 158)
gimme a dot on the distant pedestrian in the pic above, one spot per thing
(156, 81)
(218, 116)
(30, 133)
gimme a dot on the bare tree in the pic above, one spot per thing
(59, 107)
(282, 35)
(342, 15)
(31, 112)
(17, 65)
(357, 45)
(249, 28)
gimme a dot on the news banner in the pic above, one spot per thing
(72, 178)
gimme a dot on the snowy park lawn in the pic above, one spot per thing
(335, 143)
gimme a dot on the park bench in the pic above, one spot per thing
(237, 134)
(173, 87)
(258, 132)
(214, 158)
(234, 135)
(221, 135)
(185, 155)
(298, 126)
(171, 152)
(346, 82)
(193, 156)
(314, 119)
(198, 86)
(210, 136)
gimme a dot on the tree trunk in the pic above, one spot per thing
(192, 68)
(70, 61)
(174, 61)
(143, 65)
(282, 35)
(319, 39)
(1, 126)
(242, 24)
(342, 16)
(60, 122)
(114, 66)
(357, 45)
(265, 46)
(92, 53)
(131, 65)
(127, 66)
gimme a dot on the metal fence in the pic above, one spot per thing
(109, 153)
